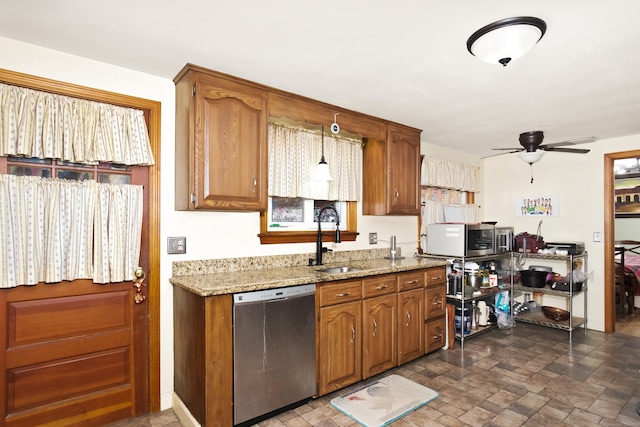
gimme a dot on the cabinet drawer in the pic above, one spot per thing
(436, 276)
(339, 292)
(435, 302)
(435, 335)
(407, 281)
(380, 285)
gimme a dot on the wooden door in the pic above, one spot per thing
(340, 346)
(410, 325)
(76, 353)
(379, 340)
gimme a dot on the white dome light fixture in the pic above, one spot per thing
(503, 41)
(530, 156)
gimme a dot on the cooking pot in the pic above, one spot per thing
(533, 278)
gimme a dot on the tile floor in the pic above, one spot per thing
(526, 376)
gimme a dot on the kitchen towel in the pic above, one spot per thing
(383, 401)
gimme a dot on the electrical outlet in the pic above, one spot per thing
(373, 238)
(176, 245)
(597, 236)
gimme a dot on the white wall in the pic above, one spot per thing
(579, 182)
(209, 234)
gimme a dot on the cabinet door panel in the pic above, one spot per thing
(410, 325)
(340, 346)
(230, 148)
(435, 335)
(435, 302)
(404, 172)
(379, 335)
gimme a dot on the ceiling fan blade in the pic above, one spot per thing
(502, 154)
(572, 142)
(513, 149)
(564, 150)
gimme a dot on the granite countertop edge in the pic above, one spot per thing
(231, 282)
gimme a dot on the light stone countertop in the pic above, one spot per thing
(252, 274)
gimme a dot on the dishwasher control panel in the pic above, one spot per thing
(274, 294)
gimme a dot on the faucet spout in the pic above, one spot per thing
(319, 248)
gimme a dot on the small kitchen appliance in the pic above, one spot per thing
(461, 240)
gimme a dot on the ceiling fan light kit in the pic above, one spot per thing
(503, 41)
(530, 156)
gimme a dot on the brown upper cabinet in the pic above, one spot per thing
(221, 143)
(222, 149)
(391, 173)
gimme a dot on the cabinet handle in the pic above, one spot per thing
(412, 282)
(381, 287)
(345, 294)
(438, 302)
(255, 183)
(397, 195)
(437, 337)
(375, 327)
(353, 334)
(408, 318)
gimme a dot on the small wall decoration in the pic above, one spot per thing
(538, 206)
(627, 196)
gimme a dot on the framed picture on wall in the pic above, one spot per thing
(627, 195)
(538, 205)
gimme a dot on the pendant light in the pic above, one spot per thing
(503, 41)
(322, 172)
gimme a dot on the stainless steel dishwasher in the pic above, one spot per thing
(274, 350)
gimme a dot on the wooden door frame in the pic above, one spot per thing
(152, 111)
(609, 237)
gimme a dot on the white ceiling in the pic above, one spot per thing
(402, 60)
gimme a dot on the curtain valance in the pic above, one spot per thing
(46, 125)
(53, 230)
(294, 153)
(447, 174)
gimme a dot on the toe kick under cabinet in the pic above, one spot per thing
(573, 299)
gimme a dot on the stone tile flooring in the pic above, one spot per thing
(526, 376)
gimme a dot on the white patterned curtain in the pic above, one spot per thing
(294, 154)
(48, 230)
(447, 174)
(46, 125)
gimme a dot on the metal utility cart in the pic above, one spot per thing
(538, 318)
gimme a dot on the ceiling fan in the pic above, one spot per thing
(532, 142)
(533, 149)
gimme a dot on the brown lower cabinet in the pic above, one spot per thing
(365, 326)
(382, 319)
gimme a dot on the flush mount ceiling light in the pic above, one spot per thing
(507, 39)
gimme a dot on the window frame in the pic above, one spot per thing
(276, 237)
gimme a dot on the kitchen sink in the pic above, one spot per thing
(335, 270)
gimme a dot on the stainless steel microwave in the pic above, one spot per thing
(460, 240)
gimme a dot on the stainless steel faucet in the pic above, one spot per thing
(319, 248)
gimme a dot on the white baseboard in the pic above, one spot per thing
(183, 414)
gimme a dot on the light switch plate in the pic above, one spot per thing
(597, 236)
(176, 245)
